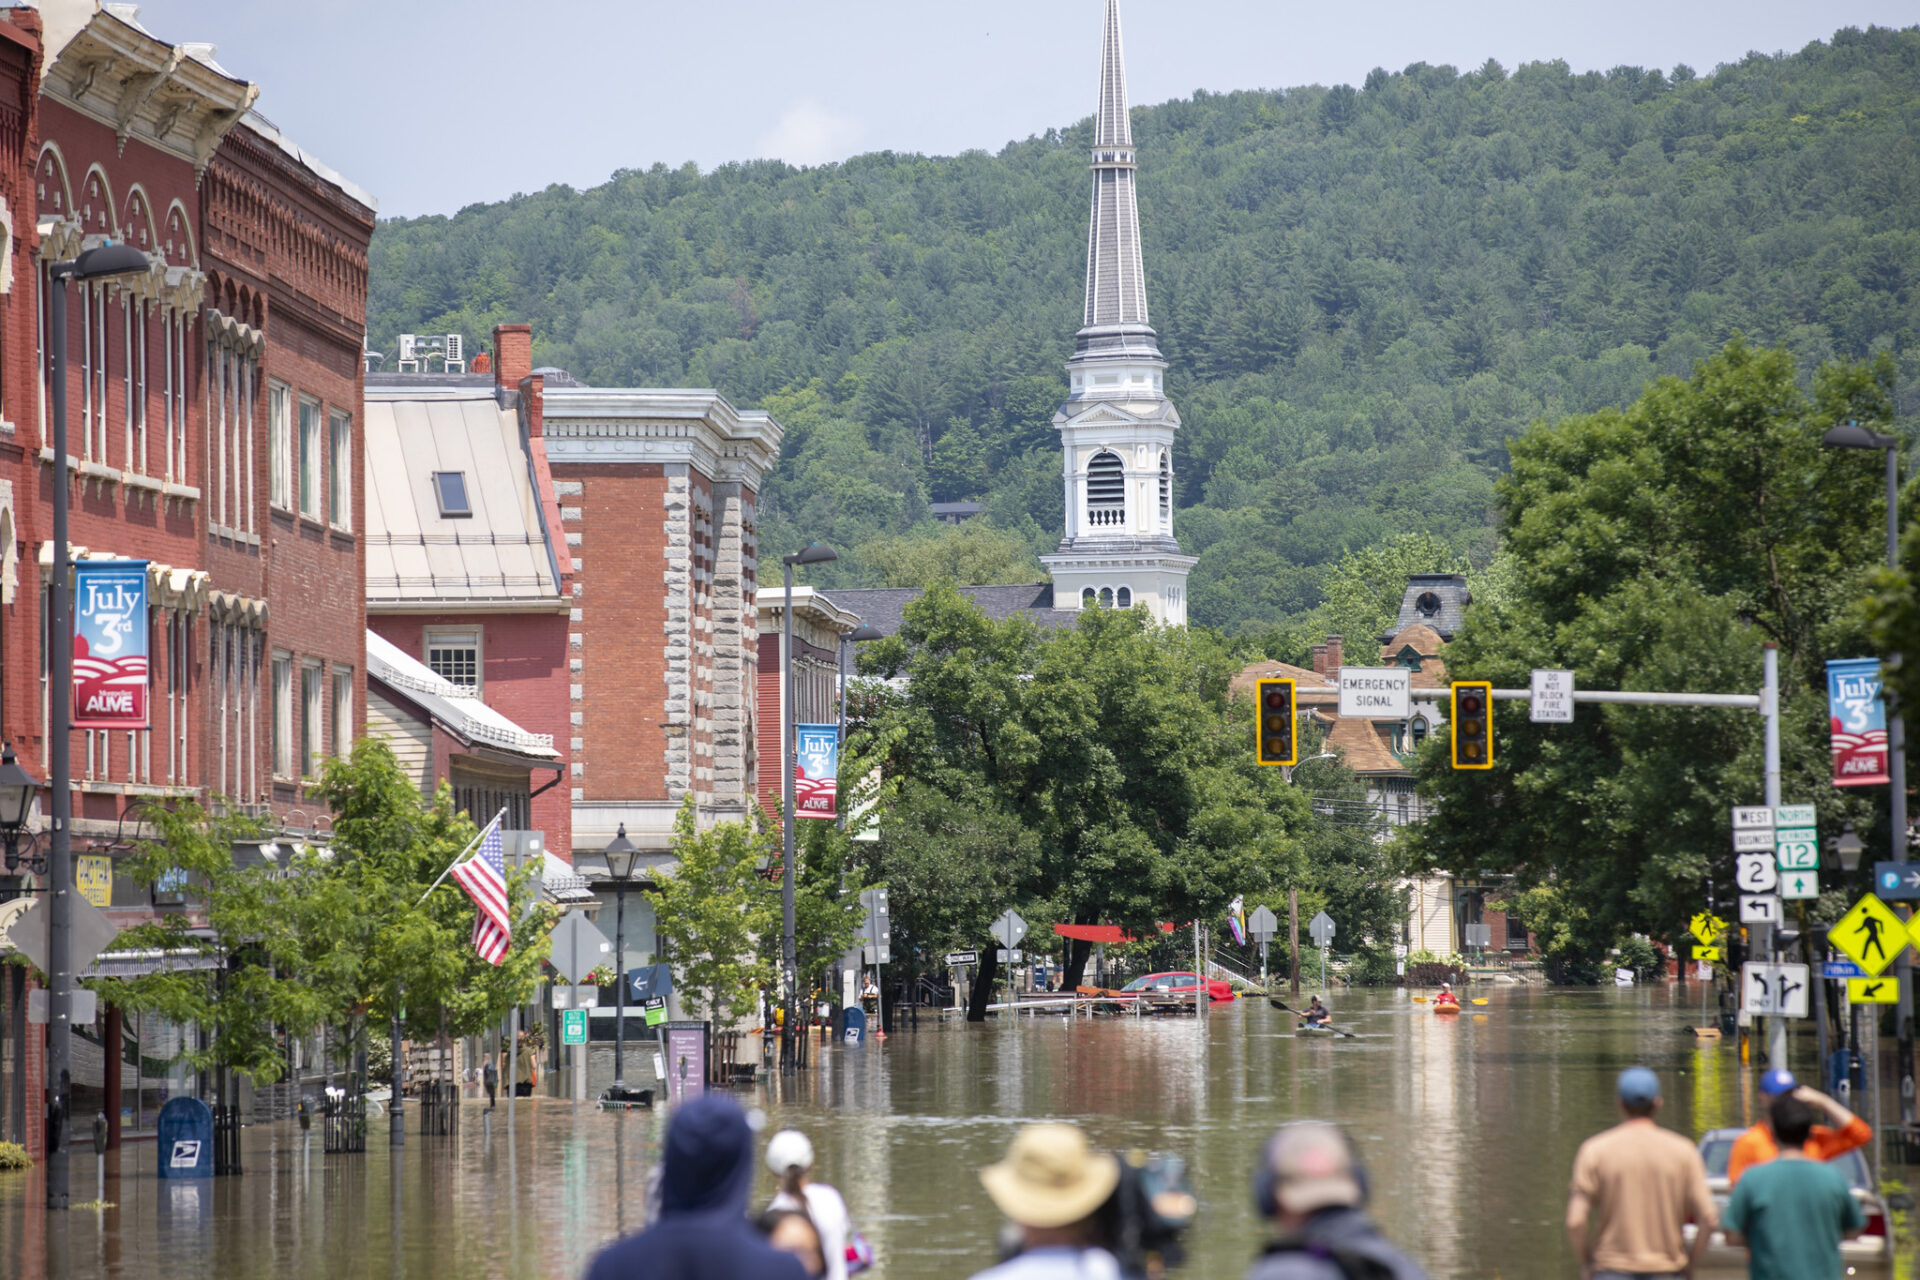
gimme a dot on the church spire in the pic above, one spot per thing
(1116, 280)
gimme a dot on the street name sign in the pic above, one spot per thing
(1752, 817)
(573, 1026)
(1873, 990)
(1870, 935)
(1755, 841)
(1841, 969)
(1552, 697)
(1796, 848)
(963, 957)
(1375, 693)
(1262, 924)
(1755, 873)
(1321, 929)
(1774, 990)
(1897, 879)
(1799, 884)
(1793, 815)
(1009, 928)
(1759, 908)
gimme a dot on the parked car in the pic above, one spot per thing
(1176, 984)
(1868, 1254)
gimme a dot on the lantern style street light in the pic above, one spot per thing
(1849, 848)
(103, 262)
(621, 856)
(814, 554)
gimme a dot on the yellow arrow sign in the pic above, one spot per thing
(1706, 953)
(1706, 927)
(1870, 934)
(1873, 990)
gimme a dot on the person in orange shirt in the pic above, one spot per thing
(1446, 995)
(1757, 1146)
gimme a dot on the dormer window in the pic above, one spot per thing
(1427, 604)
(450, 490)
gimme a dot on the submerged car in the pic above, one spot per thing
(1868, 1254)
(1177, 984)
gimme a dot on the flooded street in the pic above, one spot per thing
(1468, 1125)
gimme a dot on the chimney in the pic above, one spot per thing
(512, 354)
(1333, 657)
(1320, 659)
(533, 404)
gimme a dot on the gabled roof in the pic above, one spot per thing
(452, 706)
(502, 555)
(1362, 749)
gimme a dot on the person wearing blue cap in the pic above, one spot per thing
(1635, 1187)
(1843, 1132)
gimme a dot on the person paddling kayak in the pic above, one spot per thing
(1317, 1014)
(1446, 996)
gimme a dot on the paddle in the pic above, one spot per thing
(1479, 999)
(1277, 1003)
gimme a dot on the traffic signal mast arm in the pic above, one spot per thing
(1737, 701)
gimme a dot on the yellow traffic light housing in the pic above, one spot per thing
(1472, 724)
(1274, 737)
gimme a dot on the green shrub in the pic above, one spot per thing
(14, 1156)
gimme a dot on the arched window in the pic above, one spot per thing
(1124, 597)
(1166, 487)
(1088, 600)
(1106, 597)
(1106, 490)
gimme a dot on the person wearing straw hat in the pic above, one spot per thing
(1051, 1185)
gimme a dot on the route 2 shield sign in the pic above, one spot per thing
(1755, 873)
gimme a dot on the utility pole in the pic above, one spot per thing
(1293, 939)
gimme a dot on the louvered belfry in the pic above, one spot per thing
(1116, 428)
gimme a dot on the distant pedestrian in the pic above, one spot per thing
(701, 1232)
(1635, 1187)
(1311, 1183)
(790, 1156)
(1051, 1185)
(1844, 1132)
(490, 1077)
(1793, 1211)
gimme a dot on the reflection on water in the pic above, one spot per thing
(1468, 1124)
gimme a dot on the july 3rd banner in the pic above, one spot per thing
(110, 644)
(816, 771)
(1859, 715)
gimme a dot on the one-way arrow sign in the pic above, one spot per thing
(1897, 879)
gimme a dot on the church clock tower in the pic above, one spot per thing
(1116, 427)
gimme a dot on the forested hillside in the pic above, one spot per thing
(1364, 292)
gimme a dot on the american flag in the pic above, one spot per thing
(484, 877)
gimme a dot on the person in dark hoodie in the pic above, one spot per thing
(1310, 1182)
(702, 1232)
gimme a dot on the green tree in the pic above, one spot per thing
(718, 917)
(1363, 589)
(968, 554)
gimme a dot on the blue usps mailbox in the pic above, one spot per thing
(186, 1139)
(853, 1024)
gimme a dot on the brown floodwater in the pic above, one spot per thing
(1468, 1125)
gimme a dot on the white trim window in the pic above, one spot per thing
(313, 701)
(454, 654)
(343, 711)
(340, 465)
(310, 422)
(282, 715)
(280, 445)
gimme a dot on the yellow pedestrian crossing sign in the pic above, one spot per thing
(1873, 990)
(1706, 927)
(1871, 935)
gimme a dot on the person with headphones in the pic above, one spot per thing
(1311, 1183)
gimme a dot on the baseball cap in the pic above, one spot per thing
(1312, 1166)
(789, 1149)
(1639, 1084)
(1778, 1081)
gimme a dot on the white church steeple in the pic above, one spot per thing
(1116, 428)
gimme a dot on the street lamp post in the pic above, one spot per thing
(814, 554)
(1293, 895)
(860, 635)
(1854, 436)
(621, 855)
(103, 262)
(17, 790)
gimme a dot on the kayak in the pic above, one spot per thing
(1309, 1029)
(1446, 1008)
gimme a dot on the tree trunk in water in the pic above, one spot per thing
(1075, 973)
(982, 993)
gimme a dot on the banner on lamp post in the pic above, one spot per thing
(110, 678)
(1857, 710)
(816, 771)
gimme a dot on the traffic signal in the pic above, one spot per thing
(1273, 732)
(1472, 724)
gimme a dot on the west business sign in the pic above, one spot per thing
(1375, 693)
(110, 676)
(1858, 713)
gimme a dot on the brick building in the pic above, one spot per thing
(819, 623)
(213, 405)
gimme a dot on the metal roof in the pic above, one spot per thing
(454, 706)
(503, 552)
(1435, 600)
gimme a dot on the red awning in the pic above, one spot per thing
(1099, 932)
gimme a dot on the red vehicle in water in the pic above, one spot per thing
(1173, 985)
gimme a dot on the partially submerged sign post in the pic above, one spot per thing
(1321, 931)
(1261, 926)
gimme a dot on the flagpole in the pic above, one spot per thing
(471, 845)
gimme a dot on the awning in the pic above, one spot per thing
(1099, 932)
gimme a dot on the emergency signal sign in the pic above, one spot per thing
(1274, 739)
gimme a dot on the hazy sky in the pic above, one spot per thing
(432, 106)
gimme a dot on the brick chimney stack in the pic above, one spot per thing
(1333, 658)
(1320, 659)
(512, 354)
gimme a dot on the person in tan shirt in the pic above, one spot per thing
(1635, 1187)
